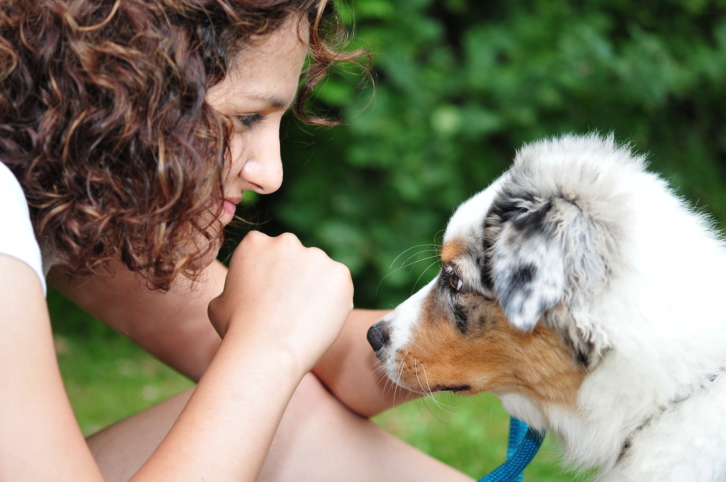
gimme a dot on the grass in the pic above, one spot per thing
(469, 433)
(109, 378)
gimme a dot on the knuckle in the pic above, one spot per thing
(288, 239)
(318, 253)
(341, 274)
(254, 237)
(342, 270)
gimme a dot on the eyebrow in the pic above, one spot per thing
(273, 101)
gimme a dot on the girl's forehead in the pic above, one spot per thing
(267, 70)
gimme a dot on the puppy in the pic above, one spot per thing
(591, 300)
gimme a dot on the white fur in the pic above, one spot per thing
(406, 316)
(651, 299)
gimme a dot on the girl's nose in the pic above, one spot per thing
(263, 169)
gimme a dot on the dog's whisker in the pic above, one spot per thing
(405, 262)
(382, 373)
(424, 272)
(402, 267)
(400, 373)
(387, 387)
(423, 399)
(439, 238)
(428, 395)
(420, 260)
(411, 264)
(415, 366)
(406, 250)
(438, 402)
(402, 365)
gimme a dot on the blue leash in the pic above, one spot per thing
(524, 442)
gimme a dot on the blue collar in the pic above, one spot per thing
(524, 442)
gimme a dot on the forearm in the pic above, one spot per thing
(349, 369)
(226, 428)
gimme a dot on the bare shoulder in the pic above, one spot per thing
(20, 286)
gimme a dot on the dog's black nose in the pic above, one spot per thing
(378, 335)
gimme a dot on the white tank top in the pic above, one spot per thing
(17, 238)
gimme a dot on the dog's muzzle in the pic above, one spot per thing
(379, 335)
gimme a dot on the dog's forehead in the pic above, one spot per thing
(468, 221)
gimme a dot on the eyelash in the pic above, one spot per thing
(250, 120)
(455, 282)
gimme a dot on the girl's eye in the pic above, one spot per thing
(250, 120)
(455, 282)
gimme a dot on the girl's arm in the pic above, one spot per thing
(39, 438)
(283, 305)
(349, 369)
(175, 328)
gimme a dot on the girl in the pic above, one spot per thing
(129, 130)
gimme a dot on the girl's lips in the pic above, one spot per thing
(230, 206)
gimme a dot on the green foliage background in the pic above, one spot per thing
(460, 85)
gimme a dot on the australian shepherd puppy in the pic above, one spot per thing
(591, 300)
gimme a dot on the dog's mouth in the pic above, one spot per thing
(453, 388)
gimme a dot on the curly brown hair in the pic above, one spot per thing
(103, 120)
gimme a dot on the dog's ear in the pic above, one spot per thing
(525, 263)
(539, 252)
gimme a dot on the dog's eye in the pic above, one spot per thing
(455, 282)
(450, 276)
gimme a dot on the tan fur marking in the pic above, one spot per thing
(491, 356)
(451, 250)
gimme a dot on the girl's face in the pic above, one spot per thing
(256, 92)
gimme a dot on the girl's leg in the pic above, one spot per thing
(121, 449)
(318, 440)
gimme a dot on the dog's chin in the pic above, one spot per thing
(419, 382)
